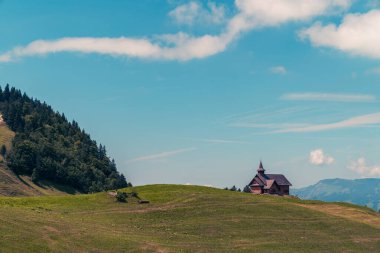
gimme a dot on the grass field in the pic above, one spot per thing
(184, 219)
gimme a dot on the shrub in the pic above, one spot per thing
(121, 196)
(247, 189)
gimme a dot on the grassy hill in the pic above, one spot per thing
(185, 219)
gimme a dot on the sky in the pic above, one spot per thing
(198, 92)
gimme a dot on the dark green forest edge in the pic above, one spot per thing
(49, 147)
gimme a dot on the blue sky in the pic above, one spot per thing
(199, 91)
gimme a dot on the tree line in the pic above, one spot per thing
(47, 146)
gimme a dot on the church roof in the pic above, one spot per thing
(267, 180)
(280, 179)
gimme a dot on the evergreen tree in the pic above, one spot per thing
(47, 146)
(247, 189)
(233, 188)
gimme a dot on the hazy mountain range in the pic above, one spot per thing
(358, 191)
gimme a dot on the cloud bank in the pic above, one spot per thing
(358, 34)
(360, 166)
(251, 14)
(318, 157)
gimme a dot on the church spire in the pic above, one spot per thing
(261, 168)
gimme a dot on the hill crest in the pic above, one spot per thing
(188, 219)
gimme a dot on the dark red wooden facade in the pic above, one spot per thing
(264, 183)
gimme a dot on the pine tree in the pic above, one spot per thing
(47, 146)
(247, 189)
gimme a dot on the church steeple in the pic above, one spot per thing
(261, 168)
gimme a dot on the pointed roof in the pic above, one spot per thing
(280, 179)
(267, 180)
(261, 168)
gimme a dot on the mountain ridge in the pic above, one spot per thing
(365, 191)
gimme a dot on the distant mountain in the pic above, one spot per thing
(358, 191)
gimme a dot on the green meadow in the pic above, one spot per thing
(184, 219)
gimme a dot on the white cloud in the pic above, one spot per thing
(318, 157)
(358, 34)
(252, 14)
(334, 97)
(194, 12)
(186, 13)
(281, 70)
(360, 166)
(360, 121)
(160, 155)
(259, 13)
(185, 47)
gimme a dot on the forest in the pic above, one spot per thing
(47, 146)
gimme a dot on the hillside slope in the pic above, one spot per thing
(13, 185)
(186, 219)
(46, 147)
(359, 191)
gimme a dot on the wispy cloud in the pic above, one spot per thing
(194, 12)
(360, 121)
(222, 141)
(271, 120)
(318, 157)
(280, 70)
(269, 113)
(374, 71)
(251, 14)
(333, 97)
(360, 166)
(269, 125)
(161, 155)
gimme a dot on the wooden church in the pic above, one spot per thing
(264, 183)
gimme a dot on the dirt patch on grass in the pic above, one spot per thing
(354, 214)
(151, 247)
(51, 229)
